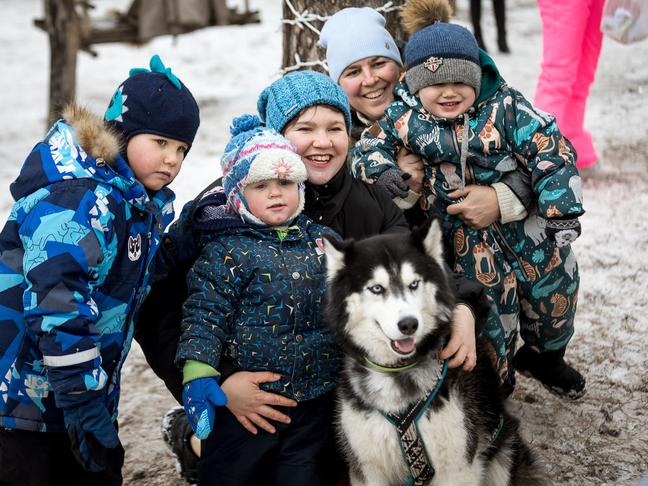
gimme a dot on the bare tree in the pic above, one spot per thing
(63, 25)
(300, 40)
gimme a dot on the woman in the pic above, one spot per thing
(364, 60)
(313, 113)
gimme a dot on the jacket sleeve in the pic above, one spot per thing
(214, 286)
(519, 182)
(393, 220)
(376, 151)
(550, 159)
(473, 295)
(68, 253)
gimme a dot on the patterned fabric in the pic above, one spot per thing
(257, 299)
(528, 279)
(255, 154)
(421, 469)
(74, 259)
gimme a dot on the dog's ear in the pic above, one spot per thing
(431, 236)
(335, 250)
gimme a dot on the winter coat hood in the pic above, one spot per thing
(81, 146)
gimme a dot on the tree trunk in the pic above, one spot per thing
(300, 49)
(63, 27)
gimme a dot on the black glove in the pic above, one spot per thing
(394, 181)
(90, 428)
(563, 231)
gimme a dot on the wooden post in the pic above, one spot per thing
(302, 41)
(63, 26)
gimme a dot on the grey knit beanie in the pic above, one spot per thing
(442, 53)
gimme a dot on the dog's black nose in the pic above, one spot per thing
(408, 325)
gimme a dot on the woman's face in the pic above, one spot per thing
(369, 83)
(320, 136)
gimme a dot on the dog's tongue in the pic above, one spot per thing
(404, 346)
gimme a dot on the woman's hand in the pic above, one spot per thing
(251, 405)
(480, 207)
(462, 346)
(413, 165)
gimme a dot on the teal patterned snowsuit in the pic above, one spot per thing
(527, 277)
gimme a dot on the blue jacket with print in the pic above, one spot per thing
(74, 263)
(257, 299)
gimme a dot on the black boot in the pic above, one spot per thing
(551, 370)
(177, 433)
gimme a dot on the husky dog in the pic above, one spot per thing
(403, 417)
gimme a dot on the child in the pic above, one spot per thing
(455, 111)
(255, 300)
(91, 202)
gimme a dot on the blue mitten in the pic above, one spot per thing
(563, 231)
(200, 398)
(394, 181)
(89, 426)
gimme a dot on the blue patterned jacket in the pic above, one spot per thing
(258, 300)
(74, 260)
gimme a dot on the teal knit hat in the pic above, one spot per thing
(284, 99)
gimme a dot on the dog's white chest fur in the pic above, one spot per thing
(376, 443)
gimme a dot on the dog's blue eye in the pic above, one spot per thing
(414, 285)
(376, 289)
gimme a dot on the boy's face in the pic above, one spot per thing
(272, 201)
(369, 84)
(155, 160)
(320, 137)
(447, 100)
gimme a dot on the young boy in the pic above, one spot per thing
(255, 300)
(91, 202)
(456, 112)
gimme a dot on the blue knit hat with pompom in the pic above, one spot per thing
(154, 101)
(254, 154)
(442, 53)
(284, 99)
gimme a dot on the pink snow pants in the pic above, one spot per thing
(571, 44)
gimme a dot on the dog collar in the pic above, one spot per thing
(390, 369)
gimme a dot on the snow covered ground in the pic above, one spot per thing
(601, 439)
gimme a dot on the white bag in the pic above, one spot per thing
(625, 21)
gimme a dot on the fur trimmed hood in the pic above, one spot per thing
(80, 146)
(93, 134)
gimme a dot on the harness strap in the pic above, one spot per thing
(412, 447)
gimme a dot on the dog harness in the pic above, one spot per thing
(419, 464)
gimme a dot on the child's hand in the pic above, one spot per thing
(479, 208)
(462, 345)
(90, 428)
(392, 180)
(200, 398)
(563, 231)
(251, 405)
(413, 165)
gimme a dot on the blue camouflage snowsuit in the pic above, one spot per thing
(74, 266)
(527, 277)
